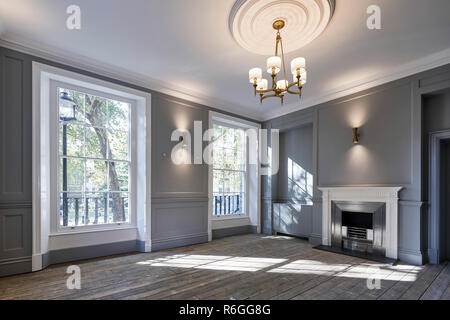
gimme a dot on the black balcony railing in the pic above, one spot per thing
(76, 210)
(228, 204)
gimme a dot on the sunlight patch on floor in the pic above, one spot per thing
(227, 263)
(310, 267)
(359, 271)
(278, 238)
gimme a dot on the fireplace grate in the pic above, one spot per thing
(357, 233)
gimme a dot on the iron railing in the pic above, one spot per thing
(95, 210)
(228, 204)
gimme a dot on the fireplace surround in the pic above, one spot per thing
(380, 231)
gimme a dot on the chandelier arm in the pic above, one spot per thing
(294, 84)
(265, 91)
(270, 96)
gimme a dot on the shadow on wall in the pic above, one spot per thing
(299, 183)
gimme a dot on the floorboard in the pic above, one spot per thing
(254, 267)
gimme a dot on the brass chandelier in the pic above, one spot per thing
(274, 65)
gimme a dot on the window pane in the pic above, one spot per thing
(96, 175)
(118, 176)
(118, 207)
(217, 181)
(118, 115)
(96, 111)
(71, 177)
(238, 182)
(218, 136)
(217, 204)
(74, 135)
(218, 158)
(96, 204)
(118, 144)
(227, 181)
(78, 98)
(96, 143)
(240, 160)
(71, 209)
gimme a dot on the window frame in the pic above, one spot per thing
(245, 214)
(56, 227)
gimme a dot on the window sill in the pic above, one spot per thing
(81, 230)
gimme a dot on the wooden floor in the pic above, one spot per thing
(240, 267)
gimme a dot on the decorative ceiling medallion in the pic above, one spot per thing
(250, 22)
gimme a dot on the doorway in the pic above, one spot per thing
(445, 199)
(439, 195)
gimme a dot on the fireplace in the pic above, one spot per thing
(359, 226)
(361, 220)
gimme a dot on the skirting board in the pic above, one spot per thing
(174, 242)
(233, 231)
(15, 266)
(315, 240)
(89, 252)
(411, 256)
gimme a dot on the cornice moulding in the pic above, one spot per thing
(420, 65)
(120, 74)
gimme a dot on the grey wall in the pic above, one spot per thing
(179, 193)
(15, 163)
(390, 118)
(292, 207)
(295, 144)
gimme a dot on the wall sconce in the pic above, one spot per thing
(356, 135)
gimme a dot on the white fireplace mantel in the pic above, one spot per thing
(388, 195)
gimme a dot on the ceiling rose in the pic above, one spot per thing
(250, 22)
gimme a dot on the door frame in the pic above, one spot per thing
(434, 191)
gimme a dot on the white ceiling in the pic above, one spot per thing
(184, 47)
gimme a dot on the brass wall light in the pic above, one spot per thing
(356, 135)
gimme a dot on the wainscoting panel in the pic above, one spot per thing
(179, 223)
(15, 133)
(15, 163)
(293, 219)
(15, 239)
(410, 236)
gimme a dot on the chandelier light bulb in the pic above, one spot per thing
(282, 84)
(298, 64)
(273, 65)
(262, 84)
(255, 73)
